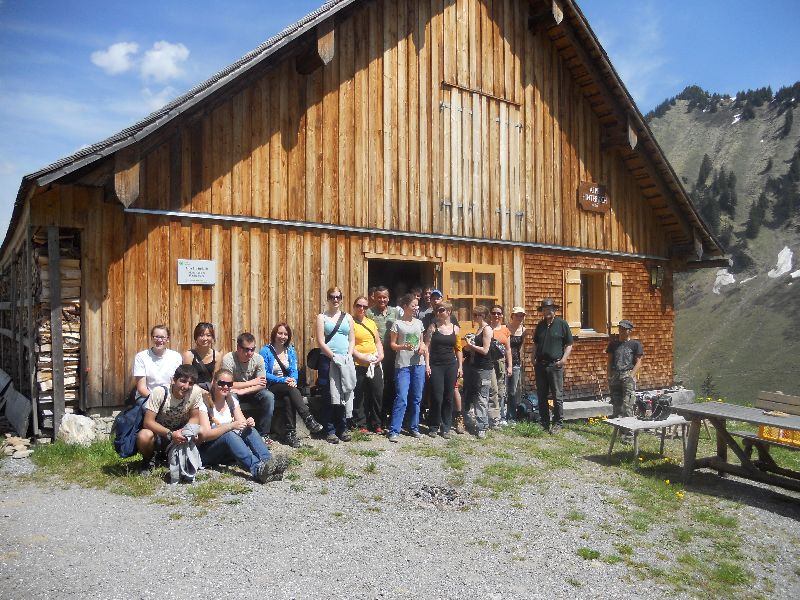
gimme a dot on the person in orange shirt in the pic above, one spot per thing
(368, 354)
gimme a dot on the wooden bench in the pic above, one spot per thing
(636, 425)
(770, 401)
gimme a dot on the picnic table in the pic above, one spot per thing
(637, 425)
(718, 414)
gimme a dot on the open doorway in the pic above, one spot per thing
(399, 276)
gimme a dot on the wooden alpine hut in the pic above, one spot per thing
(488, 146)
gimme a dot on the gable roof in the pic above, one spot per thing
(158, 119)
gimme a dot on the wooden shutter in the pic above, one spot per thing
(614, 301)
(572, 299)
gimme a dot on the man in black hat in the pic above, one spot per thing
(552, 345)
(624, 362)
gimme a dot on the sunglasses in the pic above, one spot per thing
(497, 314)
(253, 349)
(364, 306)
(225, 384)
(334, 296)
(438, 310)
(160, 337)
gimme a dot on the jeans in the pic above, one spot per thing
(368, 398)
(409, 382)
(497, 396)
(263, 401)
(333, 417)
(477, 387)
(442, 386)
(549, 379)
(292, 403)
(247, 449)
(514, 393)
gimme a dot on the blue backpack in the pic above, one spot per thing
(127, 425)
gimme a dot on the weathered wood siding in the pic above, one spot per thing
(434, 116)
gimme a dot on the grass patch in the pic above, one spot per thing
(624, 549)
(176, 516)
(450, 455)
(368, 453)
(208, 492)
(639, 520)
(612, 559)
(371, 468)
(730, 573)
(312, 453)
(505, 477)
(689, 560)
(715, 518)
(360, 436)
(683, 535)
(525, 429)
(330, 471)
(575, 515)
(297, 487)
(292, 476)
(588, 553)
(96, 466)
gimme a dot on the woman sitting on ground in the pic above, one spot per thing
(203, 357)
(280, 364)
(226, 435)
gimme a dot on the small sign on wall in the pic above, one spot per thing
(197, 272)
(594, 197)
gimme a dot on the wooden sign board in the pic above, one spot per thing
(197, 272)
(594, 197)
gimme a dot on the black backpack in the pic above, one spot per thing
(127, 425)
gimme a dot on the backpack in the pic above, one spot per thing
(127, 425)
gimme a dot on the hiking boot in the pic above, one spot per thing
(481, 434)
(290, 439)
(393, 437)
(460, 424)
(272, 469)
(146, 466)
(415, 434)
(432, 433)
(331, 438)
(312, 424)
(445, 435)
(345, 436)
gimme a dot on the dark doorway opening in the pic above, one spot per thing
(399, 276)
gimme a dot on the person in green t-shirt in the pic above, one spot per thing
(552, 345)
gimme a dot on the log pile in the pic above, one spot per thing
(70, 269)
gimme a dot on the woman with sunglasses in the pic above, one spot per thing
(335, 337)
(519, 334)
(280, 364)
(502, 367)
(226, 436)
(203, 357)
(478, 370)
(405, 338)
(368, 354)
(155, 366)
(444, 369)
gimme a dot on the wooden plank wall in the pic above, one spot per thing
(442, 116)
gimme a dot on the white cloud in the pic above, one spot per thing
(155, 100)
(117, 58)
(163, 61)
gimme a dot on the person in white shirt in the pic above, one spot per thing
(156, 365)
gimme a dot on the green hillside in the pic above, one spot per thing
(746, 337)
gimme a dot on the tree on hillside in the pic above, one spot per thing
(787, 124)
(755, 217)
(786, 190)
(705, 171)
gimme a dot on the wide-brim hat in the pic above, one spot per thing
(517, 310)
(548, 303)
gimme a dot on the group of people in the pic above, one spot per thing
(374, 366)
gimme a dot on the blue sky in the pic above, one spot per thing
(73, 73)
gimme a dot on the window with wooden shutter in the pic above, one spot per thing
(572, 299)
(593, 301)
(466, 285)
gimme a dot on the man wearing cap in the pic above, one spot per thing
(624, 362)
(436, 302)
(552, 345)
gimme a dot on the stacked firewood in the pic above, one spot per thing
(70, 269)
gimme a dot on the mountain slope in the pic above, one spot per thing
(747, 336)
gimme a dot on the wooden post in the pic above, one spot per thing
(34, 393)
(690, 452)
(56, 337)
(12, 326)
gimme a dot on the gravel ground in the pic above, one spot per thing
(405, 531)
